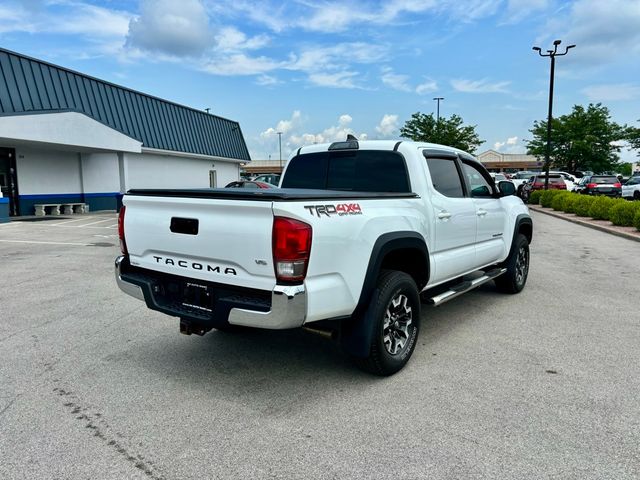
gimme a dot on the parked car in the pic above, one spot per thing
(537, 182)
(519, 179)
(601, 185)
(498, 177)
(631, 189)
(249, 184)
(272, 178)
(569, 179)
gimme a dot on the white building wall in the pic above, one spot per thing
(47, 171)
(100, 173)
(151, 170)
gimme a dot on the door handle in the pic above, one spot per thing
(443, 215)
(481, 212)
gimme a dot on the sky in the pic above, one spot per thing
(317, 70)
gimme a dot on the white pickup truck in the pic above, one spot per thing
(354, 236)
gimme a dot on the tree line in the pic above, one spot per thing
(587, 139)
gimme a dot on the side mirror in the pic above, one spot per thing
(506, 188)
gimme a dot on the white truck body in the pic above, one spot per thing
(233, 244)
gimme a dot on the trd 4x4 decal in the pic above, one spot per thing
(341, 209)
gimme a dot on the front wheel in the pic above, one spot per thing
(517, 265)
(394, 311)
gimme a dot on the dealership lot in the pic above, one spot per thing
(93, 385)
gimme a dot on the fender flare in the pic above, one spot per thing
(522, 219)
(357, 331)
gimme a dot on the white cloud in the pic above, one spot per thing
(603, 31)
(612, 92)
(174, 28)
(232, 39)
(345, 79)
(395, 81)
(388, 125)
(479, 86)
(428, 86)
(518, 10)
(240, 64)
(284, 126)
(512, 146)
(334, 133)
(267, 80)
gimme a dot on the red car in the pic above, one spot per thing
(249, 184)
(556, 182)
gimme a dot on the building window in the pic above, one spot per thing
(213, 179)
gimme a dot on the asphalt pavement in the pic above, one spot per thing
(544, 384)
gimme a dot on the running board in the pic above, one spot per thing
(464, 287)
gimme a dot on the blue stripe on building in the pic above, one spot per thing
(4, 209)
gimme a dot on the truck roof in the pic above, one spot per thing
(379, 145)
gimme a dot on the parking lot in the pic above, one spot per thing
(543, 384)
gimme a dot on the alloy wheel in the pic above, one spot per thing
(397, 324)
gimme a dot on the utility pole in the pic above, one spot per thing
(280, 145)
(552, 54)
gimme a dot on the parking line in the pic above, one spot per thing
(93, 223)
(70, 221)
(47, 243)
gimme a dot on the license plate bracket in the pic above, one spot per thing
(198, 297)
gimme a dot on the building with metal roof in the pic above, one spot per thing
(66, 136)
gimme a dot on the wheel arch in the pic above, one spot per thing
(404, 251)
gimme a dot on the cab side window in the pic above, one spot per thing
(445, 177)
(480, 186)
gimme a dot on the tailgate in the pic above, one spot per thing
(218, 240)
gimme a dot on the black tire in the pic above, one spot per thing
(636, 195)
(394, 311)
(517, 265)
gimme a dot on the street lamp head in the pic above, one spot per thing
(570, 46)
(557, 42)
(537, 49)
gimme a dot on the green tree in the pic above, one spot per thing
(585, 139)
(448, 131)
(633, 137)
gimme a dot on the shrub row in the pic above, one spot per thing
(618, 211)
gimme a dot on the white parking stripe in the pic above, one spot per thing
(68, 221)
(47, 243)
(93, 223)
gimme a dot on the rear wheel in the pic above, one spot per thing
(394, 310)
(517, 265)
(636, 195)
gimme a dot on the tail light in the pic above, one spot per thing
(123, 244)
(617, 185)
(592, 185)
(291, 249)
(538, 185)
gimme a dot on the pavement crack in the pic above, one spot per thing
(95, 423)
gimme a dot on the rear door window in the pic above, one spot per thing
(445, 177)
(353, 170)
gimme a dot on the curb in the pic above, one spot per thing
(586, 223)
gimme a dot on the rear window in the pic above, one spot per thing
(354, 170)
(552, 179)
(604, 180)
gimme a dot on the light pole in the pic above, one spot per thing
(280, 145)
(551, 54)
(437, 99)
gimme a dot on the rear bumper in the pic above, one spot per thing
(286, 309)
